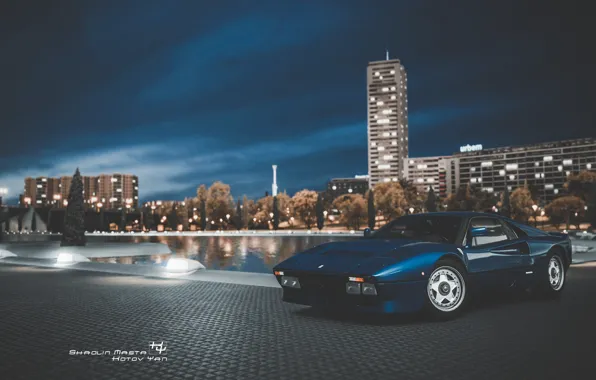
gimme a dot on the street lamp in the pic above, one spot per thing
(411, 210)
(271, 214)
(535, 207)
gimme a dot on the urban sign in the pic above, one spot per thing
(470, 148)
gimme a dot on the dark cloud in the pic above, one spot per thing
(191, 93)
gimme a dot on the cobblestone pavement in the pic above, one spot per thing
(226, 331)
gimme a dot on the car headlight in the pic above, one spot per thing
(356, 288)
(290, 282)
(369, 289)
(353, 288)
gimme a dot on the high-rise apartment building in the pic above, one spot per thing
(116, 191)
(543, 167)
(112, 191)
(424, 172)
(41, 191)
(387, 89)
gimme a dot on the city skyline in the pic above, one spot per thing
(223, 95)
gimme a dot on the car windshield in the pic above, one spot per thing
(424, 227)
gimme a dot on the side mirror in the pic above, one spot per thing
(367, 232)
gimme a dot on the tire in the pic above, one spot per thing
(553, 278)
(443, 284)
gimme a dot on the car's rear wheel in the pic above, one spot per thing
(446, 290)
(552, 282)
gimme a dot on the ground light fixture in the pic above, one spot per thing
(179, 266)
(70, 258)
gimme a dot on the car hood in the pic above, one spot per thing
(361, 257)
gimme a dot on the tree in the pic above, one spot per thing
(562, 208)
(304, 205)
(591, 214)
(506, 203)
(34, 220)
(275, 214)
(414, 198)
(484, 201)
(172, 218)
(238, 215)
(462, 200)
(74, 218)
(245, 212)
(123, 219)
(372, 213)
(203, 214)
(219, 203)
(320, 214)
(521, 204)
(352, 208)
(431, 201)
(580, 184)
(390, 200)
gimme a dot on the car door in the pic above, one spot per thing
(494, 253)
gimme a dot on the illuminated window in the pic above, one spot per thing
(39, 186)
(383, 121)
(537, 175)
(411, 161)
(392, 97)
(472, 169)
(385, 166)
(119, 190)
(385, 134)
(536, 163)
(473, 180)
(385, 89)
(488, 189)
(567, 162)
(393, 133)
(420, 180)
(511, 166)
(560, 167)
(392, 88)
(392, 72)
(393, 142)
(394, 179)
(588, 166)
(512, 177)
(549, 186)
(486, 164)
(377, 74)
(381, 148)
(430, 180)
(372, 98)
(422, 166)
(387, 179)
(556, 191)
(548, 158)
(380, 103)
(387, 157)
(114, 179)
(387, 112)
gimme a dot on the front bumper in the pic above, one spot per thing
(394, 297)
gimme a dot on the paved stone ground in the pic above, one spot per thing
(227, 331)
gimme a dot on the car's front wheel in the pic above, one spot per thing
(446, 290)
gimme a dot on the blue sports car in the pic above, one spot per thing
(427, 262)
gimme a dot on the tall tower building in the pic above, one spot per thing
(387, 89)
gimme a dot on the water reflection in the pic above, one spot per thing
(236, 253)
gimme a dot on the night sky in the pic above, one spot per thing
(188, 92)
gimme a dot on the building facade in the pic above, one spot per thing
(341, 186)
(543, 167)
(112, 191)
(387, 121)
(425, 172)
(41, 191)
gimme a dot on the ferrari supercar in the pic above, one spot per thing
(429, 262)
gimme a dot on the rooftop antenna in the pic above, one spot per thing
(387, 54)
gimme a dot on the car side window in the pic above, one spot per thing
(486, 230)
